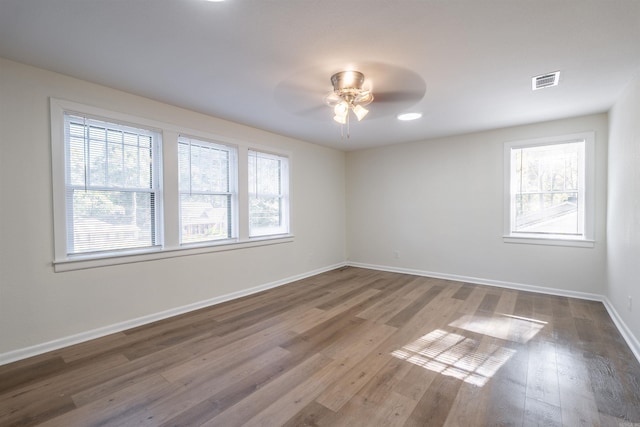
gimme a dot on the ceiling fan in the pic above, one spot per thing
(348, 95)
(389, 89)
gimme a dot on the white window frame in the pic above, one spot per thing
(168, 215)
(231, 193)
(59, 109)
(283, 195)
(586, 190)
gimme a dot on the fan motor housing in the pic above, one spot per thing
(346, 80)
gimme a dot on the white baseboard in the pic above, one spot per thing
(624, 330)
(56, 344)
(626, 333)
(37, 349)
(480, 281)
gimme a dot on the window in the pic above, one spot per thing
(268, 194)
(208, 194)
(130, 189)
(549, 189)
(112, 190)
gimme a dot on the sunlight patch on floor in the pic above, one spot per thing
(455, 355)
(503, 326)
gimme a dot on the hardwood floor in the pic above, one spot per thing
(351, 347)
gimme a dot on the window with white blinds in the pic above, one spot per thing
(208, 196)
(130, 189)
(112, 190)
(268, 194)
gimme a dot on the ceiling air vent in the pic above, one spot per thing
(545, 80)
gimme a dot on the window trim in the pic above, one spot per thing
(232, 192)
(168, 215)
(283, 195)
(586, 240)
(155, 189)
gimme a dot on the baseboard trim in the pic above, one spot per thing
(23, 353)
(626, 333)
(37, 349)
(480, 281)
(624, 330)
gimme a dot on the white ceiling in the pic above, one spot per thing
(465, 64)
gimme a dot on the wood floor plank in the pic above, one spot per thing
(434, 406)
(471, 401)
(577, 402)
(362, 339)
(193, 401)
(472, 301)
(408, 312)
(37, 412)
(507, 391)
(464, 292)
(21, 373)
(394, 411)
(232, 393)
(313, 415)
(110, 410)
(89, 349)
(263, 397)
(489, 302)
(216, 359)
(349, 347)
(609, 389)
(345, 387)
(53, 394)
(378, 389)
(394, 303)
(507, 385)
(542, 373)
(292, 402)
(538, 413)
(321, 316)
(415, 382)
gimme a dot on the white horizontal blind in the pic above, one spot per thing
(112, 186)
(207, 190)
(268, 194)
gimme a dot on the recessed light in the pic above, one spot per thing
(405, 117)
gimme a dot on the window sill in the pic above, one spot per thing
(82, 262)
(549, 241)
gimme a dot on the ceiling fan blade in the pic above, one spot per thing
(399, 96)
(394, 89)
(319, 111)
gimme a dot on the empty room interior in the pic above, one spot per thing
(320, 213)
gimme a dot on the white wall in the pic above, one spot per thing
(439, 203)
(38, 305)
(623, 217)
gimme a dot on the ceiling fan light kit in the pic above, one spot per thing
(348, 95)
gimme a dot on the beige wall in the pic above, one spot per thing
(38, 305)
(439, 204)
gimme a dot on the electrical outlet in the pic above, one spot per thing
(396, 254)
